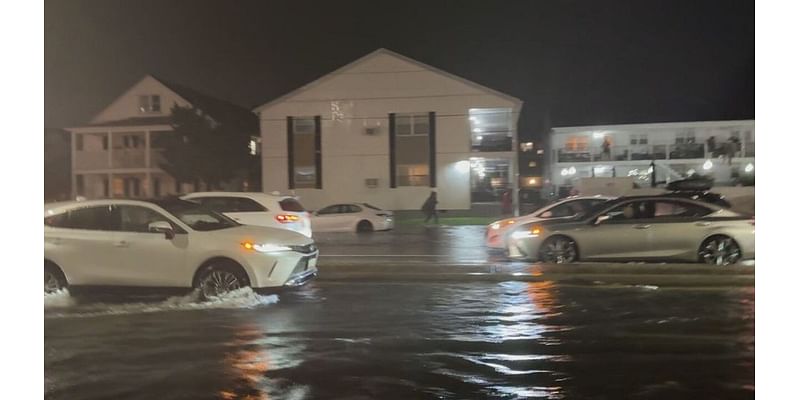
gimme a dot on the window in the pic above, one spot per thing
(685, 136)
(571, 208)
(577, 143)
(639, 138)
(632, 210)
(196, 216)
(305, 153)
(335, 209)
(105, 142)
(291, 205)
(150, 104)
(352, 208)
(412, 125)
(99, 218)
(78, 142)
(412, 152)
(674, 209)
(79, 185)
(230, 204)
(138, 219)
(132, 141)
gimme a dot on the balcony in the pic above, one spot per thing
(128, 158)
(91, 160)
(684, 151)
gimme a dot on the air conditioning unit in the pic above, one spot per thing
(372, 131)
(371, 182)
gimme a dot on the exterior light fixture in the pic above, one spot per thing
(749, 168)
(708, 165)
(572, 170)
(462, 166)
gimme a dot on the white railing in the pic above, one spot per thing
(650, 152)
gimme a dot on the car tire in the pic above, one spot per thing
(54, 279)
(220, 277)
(719, 250)
(558, 250)
(364, 226)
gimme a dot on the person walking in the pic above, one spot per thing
(730, 149)
(429, 208)
(606, 149)
(711, 143)
(506, 202)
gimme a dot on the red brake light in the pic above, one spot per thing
(286, 218)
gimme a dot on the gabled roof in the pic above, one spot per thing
(381, 51)
(219, 110)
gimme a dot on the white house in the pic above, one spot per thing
(117, 154)
(677, 149)
(386, 129)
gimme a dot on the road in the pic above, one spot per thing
(444, 321)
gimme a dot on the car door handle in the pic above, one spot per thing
(703, 223)
(642, 226)
(122, 243)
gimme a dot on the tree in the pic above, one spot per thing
(203, 149)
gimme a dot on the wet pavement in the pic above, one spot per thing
(345, 340)
(415, 314)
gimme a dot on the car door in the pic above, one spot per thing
(147, 258)
(327, 219)
(678, 228)
(350, 217)
(81, 242)
(627, 234)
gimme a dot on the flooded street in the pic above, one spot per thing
(389, 340)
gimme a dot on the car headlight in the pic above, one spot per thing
(533, 231)
(265, 247)
(502, 224)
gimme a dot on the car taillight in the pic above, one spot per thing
(286, 218)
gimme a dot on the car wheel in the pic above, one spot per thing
(719, 250)
(364, 226)
(220, 278)
(54, 279)
(559, 250)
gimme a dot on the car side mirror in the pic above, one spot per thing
(162, 227)
(601, 219)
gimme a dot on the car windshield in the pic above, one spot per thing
(197, 216)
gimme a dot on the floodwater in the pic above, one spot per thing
(345, 340)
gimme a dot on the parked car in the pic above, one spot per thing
(168, 244)
(497, 231)
(352, 217)
(260, 209)
(640, 228)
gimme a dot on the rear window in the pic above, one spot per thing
(291, 205)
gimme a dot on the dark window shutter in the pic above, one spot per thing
(392, 166)
(290, 149)
(318, 150)
(432, 148)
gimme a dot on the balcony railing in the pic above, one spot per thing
(88, 160)
(650, 152)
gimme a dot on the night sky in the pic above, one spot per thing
(580, 62)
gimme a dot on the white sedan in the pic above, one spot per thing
(352, 217)
(260, 209)
(168, 244)
(497, 232)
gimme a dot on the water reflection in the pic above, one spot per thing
(247, 365)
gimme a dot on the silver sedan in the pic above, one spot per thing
(640, 228)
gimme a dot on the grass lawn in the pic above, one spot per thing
(452, 221)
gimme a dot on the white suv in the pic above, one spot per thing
(167, 244)
(261, 209)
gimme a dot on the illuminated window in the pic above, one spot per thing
(639, 138)
(412, 149)
(150, 104)
(527, 146)
(577, 143)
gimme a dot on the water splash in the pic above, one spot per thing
(240, 298)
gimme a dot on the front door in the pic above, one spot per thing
(627, 234)
(147, 258)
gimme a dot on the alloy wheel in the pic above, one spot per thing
(219, 282)
(720, 251)
(559, 250)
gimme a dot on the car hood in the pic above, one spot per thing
(263, 234)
